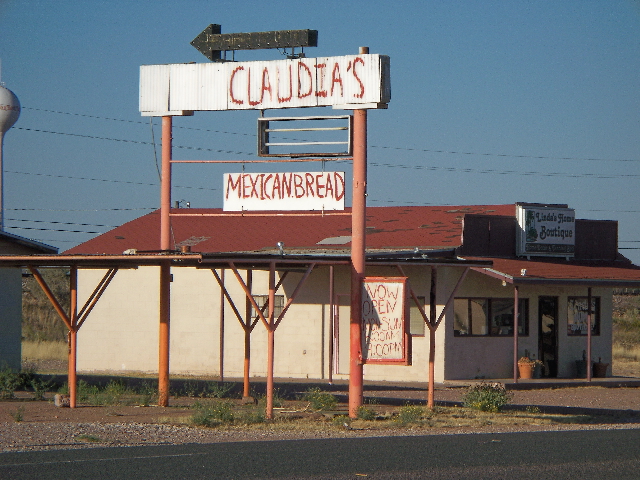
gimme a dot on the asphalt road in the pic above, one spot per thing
(599, 454)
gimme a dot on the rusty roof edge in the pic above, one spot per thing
(98, 260)
(524, 280)
(587, 282)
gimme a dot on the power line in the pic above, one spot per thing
(139, 142)
(97, 117)
(390, 165)
(60, 223)
(502, 172)
(78, 209)
(507, 155)
(53, 230)
(104, 180)
(407, 149)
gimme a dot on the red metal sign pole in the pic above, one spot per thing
(165, 268)
(358, 244)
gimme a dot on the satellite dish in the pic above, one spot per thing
(9, 109)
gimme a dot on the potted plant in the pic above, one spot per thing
(538, 365)
(525, 367)
(600, 369)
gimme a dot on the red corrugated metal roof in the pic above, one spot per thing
(546, 270)
(212, 230)
(388, 228)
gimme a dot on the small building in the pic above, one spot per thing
(482, 263)
(11, 297)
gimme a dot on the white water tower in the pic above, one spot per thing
(9, 113)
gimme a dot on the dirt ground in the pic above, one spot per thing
(568, 399)
(26, 424)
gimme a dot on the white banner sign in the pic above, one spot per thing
(283, 191)
(303, 82)
(384, 327)
(545, 231)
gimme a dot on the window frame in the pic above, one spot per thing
(489, 306)
(261, 300)
(595, 319)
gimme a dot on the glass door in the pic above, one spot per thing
(548, 334)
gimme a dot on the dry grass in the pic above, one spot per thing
(388, 418)
(44, 350)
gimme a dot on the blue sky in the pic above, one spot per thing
(492, 102)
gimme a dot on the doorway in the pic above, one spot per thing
(548, 335)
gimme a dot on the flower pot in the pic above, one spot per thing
(600, 369)
(525, 370)
(581, 369)
(537, 370)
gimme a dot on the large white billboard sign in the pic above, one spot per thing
(545, 231)
(179, 89)
(283, 191)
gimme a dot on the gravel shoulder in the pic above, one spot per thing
(43, 426)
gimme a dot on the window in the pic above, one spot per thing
(489, 316)
(416, 322)
(263, 300)
(577, 315)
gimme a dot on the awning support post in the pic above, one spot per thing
(516, 304)
(589, 322)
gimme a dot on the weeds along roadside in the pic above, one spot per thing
(218, 405)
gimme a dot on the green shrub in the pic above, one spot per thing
(219, 390)
(342, 421)
(148, 393)
(250, 417)
(212, 414)
(40, 387)
(410, 414)
(365, 413)
(10, 380)
(320, 400)
(18, 415)
(487, 397)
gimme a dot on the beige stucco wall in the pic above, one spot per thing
(492, 357)
(121, 333)
(10, 318)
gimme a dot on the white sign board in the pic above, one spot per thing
(545, 231)
(179, 89)
(283, 191)
(384, 330)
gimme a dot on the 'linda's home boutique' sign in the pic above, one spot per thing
(545, 230)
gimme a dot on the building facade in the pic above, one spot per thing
(473, 255)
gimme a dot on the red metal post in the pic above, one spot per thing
(358, 245)
(221, 346)
(163, 364)
(331, 319)
(165, 184)
(73, 336)
(165, 268)
(515, 334)
(589, 335)
(246, 392)
(432, 337)
(271, 333)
